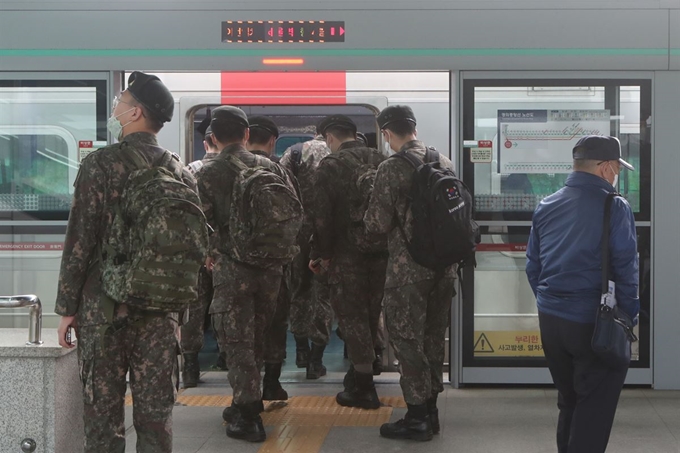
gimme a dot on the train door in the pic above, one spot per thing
(518, 133)
(48, 123)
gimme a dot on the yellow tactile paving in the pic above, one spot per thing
(303, 422)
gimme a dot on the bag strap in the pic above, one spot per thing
(605, 241)
(296, 157)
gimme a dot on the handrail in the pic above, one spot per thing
(35, 311)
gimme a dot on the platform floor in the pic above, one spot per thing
(473, 420)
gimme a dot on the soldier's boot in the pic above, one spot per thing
(249, 425)
(349, 382)
(378, 362)
(271, 387)
(191, 370)
(434, 414)
(315, 368)
(231, 413)
(221, 363)
(363, 394)
(301, 351)
(415, 425)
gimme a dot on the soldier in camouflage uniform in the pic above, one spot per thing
(417, 303)
(310, 309)
(193, 330)
(262, 142)
(356, 276)
(244, 300)
(115, 340)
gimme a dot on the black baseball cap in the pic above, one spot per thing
(230, 114)
(203, 127)
(149, 91)
(599, 147)
(336, 120)
(265, 123)
(395, 113)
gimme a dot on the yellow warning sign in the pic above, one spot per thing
(508, 343)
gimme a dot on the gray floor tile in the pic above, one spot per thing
(197, 421)
(220, 443)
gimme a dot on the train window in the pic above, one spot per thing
(286, 141)
(46, 126)
(519, 136)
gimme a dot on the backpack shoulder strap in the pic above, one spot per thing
(431, 155)
(133, 158)
(296, 157)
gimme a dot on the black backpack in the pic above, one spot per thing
(444, 232)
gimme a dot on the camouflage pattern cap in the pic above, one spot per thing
(395, 113)
(335, 120)
(265, 123)
(149, 91)
(230, 114)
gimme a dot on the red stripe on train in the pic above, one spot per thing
(284, 88)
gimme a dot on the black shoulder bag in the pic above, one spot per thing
(613, 333)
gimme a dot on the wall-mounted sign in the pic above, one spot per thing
(288, 31)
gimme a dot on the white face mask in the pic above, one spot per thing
(386, 145)
(616, 176)
(113, 125)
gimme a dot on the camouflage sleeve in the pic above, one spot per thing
(285, 161)
(379, 217)
(207, 195)
(82, 235)
(323, 210)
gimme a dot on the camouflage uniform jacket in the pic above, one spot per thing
(313, 152)
(198, 164)
(274, 158)
(389, 205)
(98, 187)
(332, 210)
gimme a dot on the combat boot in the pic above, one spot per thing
(415, 425)
(378, 363)
(349, 381)
(301, 352)
(434, 414)
(271, 387)
(231, 413)
(221, 363)
(315, 368)
(363, 394)
(249, 425)
(191, 370)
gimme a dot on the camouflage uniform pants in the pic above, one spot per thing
(311, 315)
(416, 317)
(277, 334)
(242, 311)
(148, 350)
(193, 330)
(357, 302)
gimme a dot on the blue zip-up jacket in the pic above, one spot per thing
(564, 257)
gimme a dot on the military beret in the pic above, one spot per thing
(599, 147)
(335, 120)
(230, 114)
(395, 113)
(149, 91)
(362, 138)
(265, 123)
(204, 126)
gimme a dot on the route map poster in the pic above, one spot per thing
(540, 141)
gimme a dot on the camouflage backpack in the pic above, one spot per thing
(362, 167)
(158, 239)
(265, 215)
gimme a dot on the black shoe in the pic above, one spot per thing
(191, 371)
(221, 363)
(230, 413)
(271, 387)
(249, 425)
(434, 414)
(363, 395)
(378, 367)
(301, 352)
(349, 381)
(415, 425)
(315, 368)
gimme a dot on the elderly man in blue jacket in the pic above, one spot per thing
(564, 270)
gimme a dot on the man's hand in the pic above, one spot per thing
(64, 324)
(319, 265)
